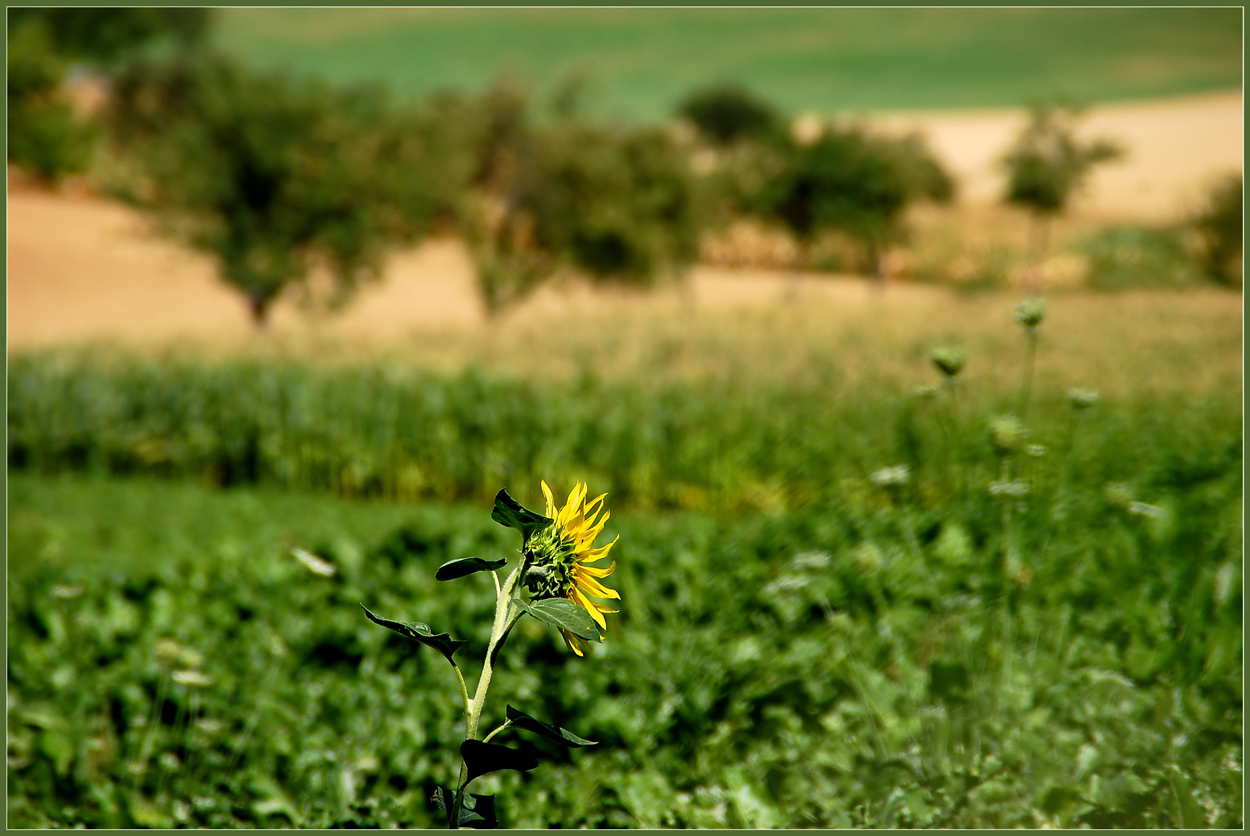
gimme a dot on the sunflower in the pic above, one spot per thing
(561, 553)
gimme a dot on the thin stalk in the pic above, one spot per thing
(1063, 483)
(1028, 373)
(161, 688)
(505, 725)
(504, 619)
(953, 437)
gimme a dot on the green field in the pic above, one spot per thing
(641, 62)
(1016, 636)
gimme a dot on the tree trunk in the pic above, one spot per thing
(258, 306)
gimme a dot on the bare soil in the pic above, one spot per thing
(82, 269)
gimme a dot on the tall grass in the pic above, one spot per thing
(377, 429)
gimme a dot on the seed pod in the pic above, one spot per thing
(949, 361)
(1007, 433)
(1031, 312)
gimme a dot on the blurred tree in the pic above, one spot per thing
(278, 180)
(103, 35)
(728, 113)
(615, 203)
(855, 182)
(1220, 227)
(1047, 164)
(45, 135)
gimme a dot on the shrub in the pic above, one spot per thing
(1124, 257)
(1220, 226)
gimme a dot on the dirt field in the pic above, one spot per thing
(83, 269)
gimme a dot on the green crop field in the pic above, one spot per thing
(1013, 631)
(641, 62)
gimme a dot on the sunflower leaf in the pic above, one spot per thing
(478, 812)
(481, 758)
(508, 512)
(462, 566)
(444, 800)
(563, 613)
(419, 632)
(522, 720)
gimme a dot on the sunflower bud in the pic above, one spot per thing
(1031, 312)
(1007, 433)
(949, 361)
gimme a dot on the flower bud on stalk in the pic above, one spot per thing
(1007, 433)
(949, 361)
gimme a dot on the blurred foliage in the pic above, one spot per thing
(841, 180)
(275, 179)
(1124, 257)
(45, 136)
(728, 113)
(102, 34)
(614, 203)
(170, 662)
(1220, 224)
(1047, 164)
(851, 181)
(381, 429)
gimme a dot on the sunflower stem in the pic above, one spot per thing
(504, 619)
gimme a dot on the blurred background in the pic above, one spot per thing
(891, 555)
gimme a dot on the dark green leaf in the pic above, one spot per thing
(524, 721)
(444, 800)
(510, 513)
(481, 758)
(462, 566)
(561, 612)
(478, 812)
(419, 632)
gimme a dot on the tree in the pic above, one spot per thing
(728, 113)
(1047, 164)
(275, 178)
(104, 35)
(1220, 229)
(46, 136)
(616, 204)
(858, 183)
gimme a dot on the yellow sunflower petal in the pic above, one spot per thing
(594, 571)
(588, 534)
(551, 503)
(588, 606)
(574, 642)
(597, 554)
(590, 586)
(593, 508)
(572, 507)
